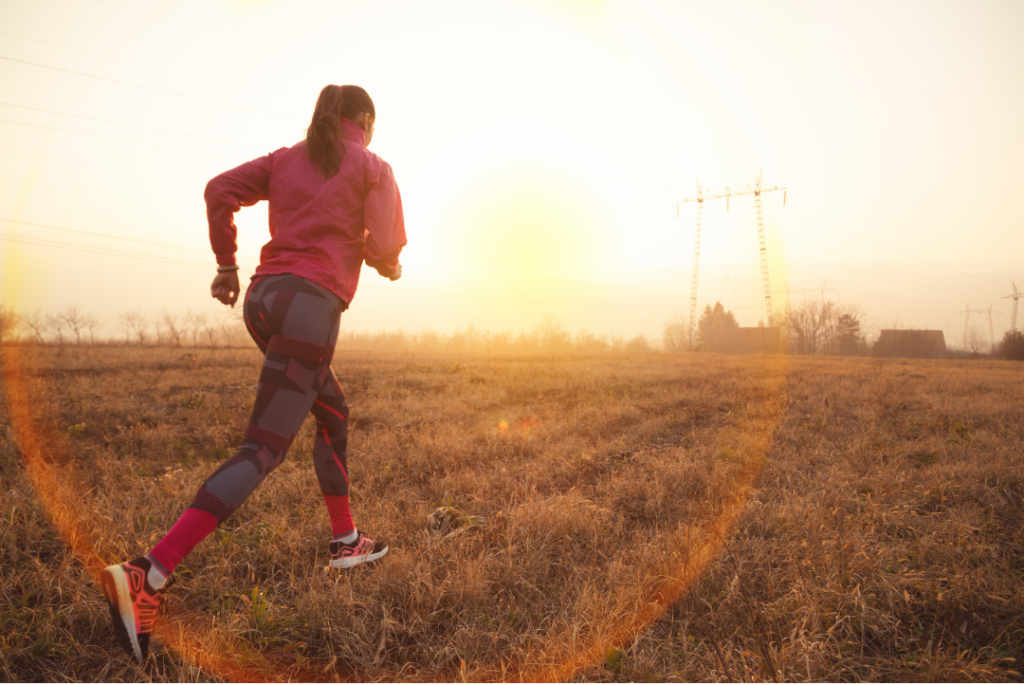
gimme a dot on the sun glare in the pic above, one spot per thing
(523, 223)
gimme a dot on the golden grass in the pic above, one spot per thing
(661, 517)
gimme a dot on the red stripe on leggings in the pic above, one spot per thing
(335, 455)
(331, 409)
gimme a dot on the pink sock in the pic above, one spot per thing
(191, 529)
(341, 517)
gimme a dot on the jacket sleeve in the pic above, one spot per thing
(242, 186)
(383, 220)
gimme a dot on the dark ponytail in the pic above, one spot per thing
(324, 132)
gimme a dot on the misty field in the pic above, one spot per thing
(644, 517)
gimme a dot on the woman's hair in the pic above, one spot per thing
(324, 132)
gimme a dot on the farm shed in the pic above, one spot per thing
(910, 344)
(759, 340)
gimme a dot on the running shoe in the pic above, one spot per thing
(133, 604)
(362, 551)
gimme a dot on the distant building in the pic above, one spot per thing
(910, 344)
(760, 340)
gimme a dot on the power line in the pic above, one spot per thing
(121, 140)
(884, 266)
(891, 278)
(124, 123)
(833, 200)
(42, 242)
(728, 273)
(959, 288)
(889, 247)
(107, 235)
(567, 303)
(260, 44)
(134, 177)
(92, 192)
(476, 290)
(132, 62)
(151, 88)
(91, 250)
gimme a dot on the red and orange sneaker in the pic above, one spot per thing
(362, 551)
(133, 603)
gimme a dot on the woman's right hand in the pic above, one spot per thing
(225, 287)
(397, 274)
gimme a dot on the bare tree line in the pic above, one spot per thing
(201, 329)
(548, 337)
(812, 326)
(72, 325)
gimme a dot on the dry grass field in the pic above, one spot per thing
(648, 517)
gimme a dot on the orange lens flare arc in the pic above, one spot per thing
(191, 641)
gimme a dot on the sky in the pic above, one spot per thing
(541, 149)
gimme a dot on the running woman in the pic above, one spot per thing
(333, 205)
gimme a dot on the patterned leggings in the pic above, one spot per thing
(295, 324)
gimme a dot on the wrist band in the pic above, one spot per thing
(225, 268)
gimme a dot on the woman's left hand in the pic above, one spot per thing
(225, 287)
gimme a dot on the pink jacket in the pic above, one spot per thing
(320, 229)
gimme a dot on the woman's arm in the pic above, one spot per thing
(384, 222)
(242, 186)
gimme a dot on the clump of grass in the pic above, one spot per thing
(872, 513)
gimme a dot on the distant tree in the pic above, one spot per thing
(526, 342)
(172, 327)
(1012, 346)
(820, 326)
(501, 342)
(713, 324)
(56, 324)
(10, 324)
(35, 322)
(808, 321)
(74, 318)
(638, 343)
(136, 323)
(232, 327)
(429, 341)
(190, 327)
(124, 326)
(675, 336)
(206, 324)
(92, 324)
(465, 340)
(552, 337)
(584, 341)
(848, 337)
(975, 343)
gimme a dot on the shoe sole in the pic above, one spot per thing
(115, 586)
(349, 562)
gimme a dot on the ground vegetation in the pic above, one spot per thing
(623, 517)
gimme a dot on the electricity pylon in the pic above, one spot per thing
(991, 332)
(991, 329)
(754, 189)
(1013, 312)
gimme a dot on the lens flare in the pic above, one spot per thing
(190, 638)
